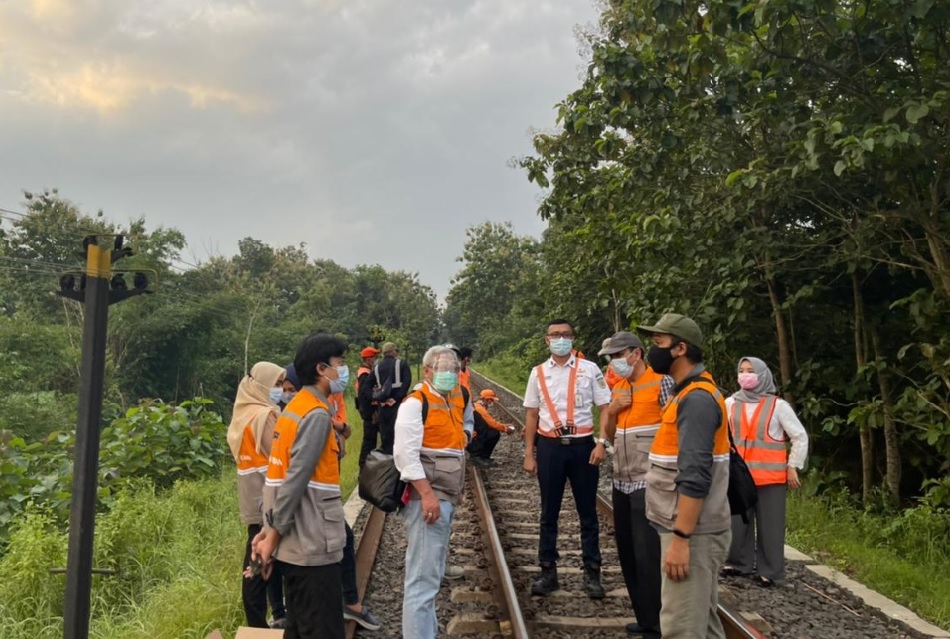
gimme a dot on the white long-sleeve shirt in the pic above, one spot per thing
(784, 424)
(409, 432)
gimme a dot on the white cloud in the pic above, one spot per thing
(361, 127)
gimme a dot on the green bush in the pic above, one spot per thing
(157, 442)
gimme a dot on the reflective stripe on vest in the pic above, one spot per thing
(249, 460)
(665, 449)
(644, 410)
(552, 409)
(443, 429)
(766, 458)
(326, 473)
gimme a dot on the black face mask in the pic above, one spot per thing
(661, 359)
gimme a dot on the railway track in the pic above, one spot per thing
(495, 539)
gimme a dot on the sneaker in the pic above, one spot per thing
(482, 462)
(546, 582)
(364, 618)
(278, 624)
(592, 583)
(453, 572)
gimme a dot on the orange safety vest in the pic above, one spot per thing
(336, 401)
(567, 427)
(665, 449)
(249, 460)
(362, 370)
(326, 474)
(443, 429)
(766, 457)
(644, 410)
(464, 378)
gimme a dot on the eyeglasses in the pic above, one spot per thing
(556, 335)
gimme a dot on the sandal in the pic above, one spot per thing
(730, 571)
(765, 582)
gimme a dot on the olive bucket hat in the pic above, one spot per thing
(677, 325)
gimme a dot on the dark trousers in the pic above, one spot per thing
(638, 547)
(370, 435)
(760, 545)
(313, 602)
(557, 464)
(387, 427)
(351, 595)
(255, 591)
(484, 441)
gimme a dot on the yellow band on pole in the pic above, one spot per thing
(98, 261)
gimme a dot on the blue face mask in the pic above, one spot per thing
(275, 394)
(445, 381)
(561, 346)
(286, 397)
(621, 367)
(338, 385)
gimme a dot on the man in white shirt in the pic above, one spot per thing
(559, 426)
(433, 426)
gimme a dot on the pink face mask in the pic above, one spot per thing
(748, 381)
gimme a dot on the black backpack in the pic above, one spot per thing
(743, 495)
(379, 482)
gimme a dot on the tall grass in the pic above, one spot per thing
(903, 556)
(177, 557)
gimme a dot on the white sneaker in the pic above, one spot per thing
(453, 572)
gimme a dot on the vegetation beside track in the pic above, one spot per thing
(177, 555)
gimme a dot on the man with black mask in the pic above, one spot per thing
(686, 494)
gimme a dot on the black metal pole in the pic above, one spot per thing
(82, 514)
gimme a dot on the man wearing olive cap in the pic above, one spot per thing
(686, 494)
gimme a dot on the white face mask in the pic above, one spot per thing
(275, 394)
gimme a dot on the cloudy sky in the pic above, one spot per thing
(372, 130)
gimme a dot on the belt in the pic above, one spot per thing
(568, 441)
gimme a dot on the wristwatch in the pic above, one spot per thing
(681, 534)
(603, 440)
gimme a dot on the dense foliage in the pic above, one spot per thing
(778, 171)
(153, 442)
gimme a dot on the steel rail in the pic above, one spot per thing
(517, 626)
(733, 623)
(366, 556)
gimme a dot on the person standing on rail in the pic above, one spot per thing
(393, 381)
(761, 423)
(686, 494)
(630, 422)
(559, 399)
(364, 401)
(249, 437)
(433, 426)
(488, 430)
(304, 524)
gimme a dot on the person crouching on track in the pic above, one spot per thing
(688, 482)
(249, 438)
(559, 399)
(433, 426)
(304, 523)
(631, 421)
(760, 423)
(487, 430)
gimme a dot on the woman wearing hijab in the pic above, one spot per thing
(249, 436)
(761, 425)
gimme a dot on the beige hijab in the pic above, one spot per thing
(252, 405)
